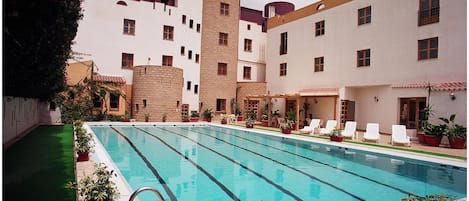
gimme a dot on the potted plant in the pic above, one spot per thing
(237, 110)
(291, 117)
(456, 133)
(224, 119)
(208, 114)
(250, 123)
(423, 121)
(147, 116)
(83, 144)
(97, 187)
(434, 133)
(194, 116)
(185, 118)
(285, 127)
(265, 120)
(336, 136)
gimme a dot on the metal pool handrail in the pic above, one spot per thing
(145, 188)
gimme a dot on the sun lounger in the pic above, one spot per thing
(313, 125)
(330, 126)
(372, 132)
(399, 135)
(350, 129)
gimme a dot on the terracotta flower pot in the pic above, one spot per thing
(223, 121)
(336, 138)
(240, 118)
(194, 119)
(83, 156)
(265, 123)
(421, 138)
(432, 140)
(286, 131)
(457, 143)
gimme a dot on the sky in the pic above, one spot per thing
(259, 4)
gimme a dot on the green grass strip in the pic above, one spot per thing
(369, 144)
(39, 165)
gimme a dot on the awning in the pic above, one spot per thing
(108, 78)
(445, 86)
(319, 92)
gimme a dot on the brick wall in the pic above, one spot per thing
(161, 87)
(251, 88)
(213, 86)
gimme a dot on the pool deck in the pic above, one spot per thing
(459, 156)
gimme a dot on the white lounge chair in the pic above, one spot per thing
(330, 125)
(372, 132)
(350, 129)
(399, 135)
(313, 125)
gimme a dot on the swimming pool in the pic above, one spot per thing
(219, 163)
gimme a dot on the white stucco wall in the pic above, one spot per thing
(19, 115)
(100, 33)
(256, 58)
(392, 36)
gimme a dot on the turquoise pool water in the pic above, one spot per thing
(217, 163)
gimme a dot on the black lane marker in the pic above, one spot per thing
(149, 165)
(223, 187)
(326, 164)
(237, 163)
(286, 165)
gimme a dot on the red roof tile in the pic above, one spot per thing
(446, 86)
(108, 78)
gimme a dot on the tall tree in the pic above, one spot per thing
(37, 36)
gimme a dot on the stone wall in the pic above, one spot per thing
(212, 85)
(161, 88)
(251, 88)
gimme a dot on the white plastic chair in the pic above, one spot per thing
(312, 125)
(330, 125)
(350, 129)
(399, 135)
(372, 132)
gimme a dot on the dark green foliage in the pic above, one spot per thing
(37, 38)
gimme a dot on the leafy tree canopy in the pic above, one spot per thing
(37, 38)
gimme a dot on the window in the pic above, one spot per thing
(127, 60)
(144, 103)
(412, 112)
(319, 64)
(188, 85)
(189, 54)
(247, 73)
(364, 15)
(247, 45)
(196, 58)
(136, 108)
(428, 48)
(223, 38)
(363, 58)
(429, 12)
(283, 69)
(283, 43)
(249, 27)
(167, 60)
(221, 105)
(184, 19)
(196, 88)
(114, 101)
(224, 9)
(168, 32)
(191, 23)
(183, 50)
(320, 28)
(222, 68)
(198, 28)
(129, 27)
(97, 103)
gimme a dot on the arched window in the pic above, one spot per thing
(122, 3)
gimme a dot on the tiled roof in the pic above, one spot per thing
(446, 86)
(108, 78)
